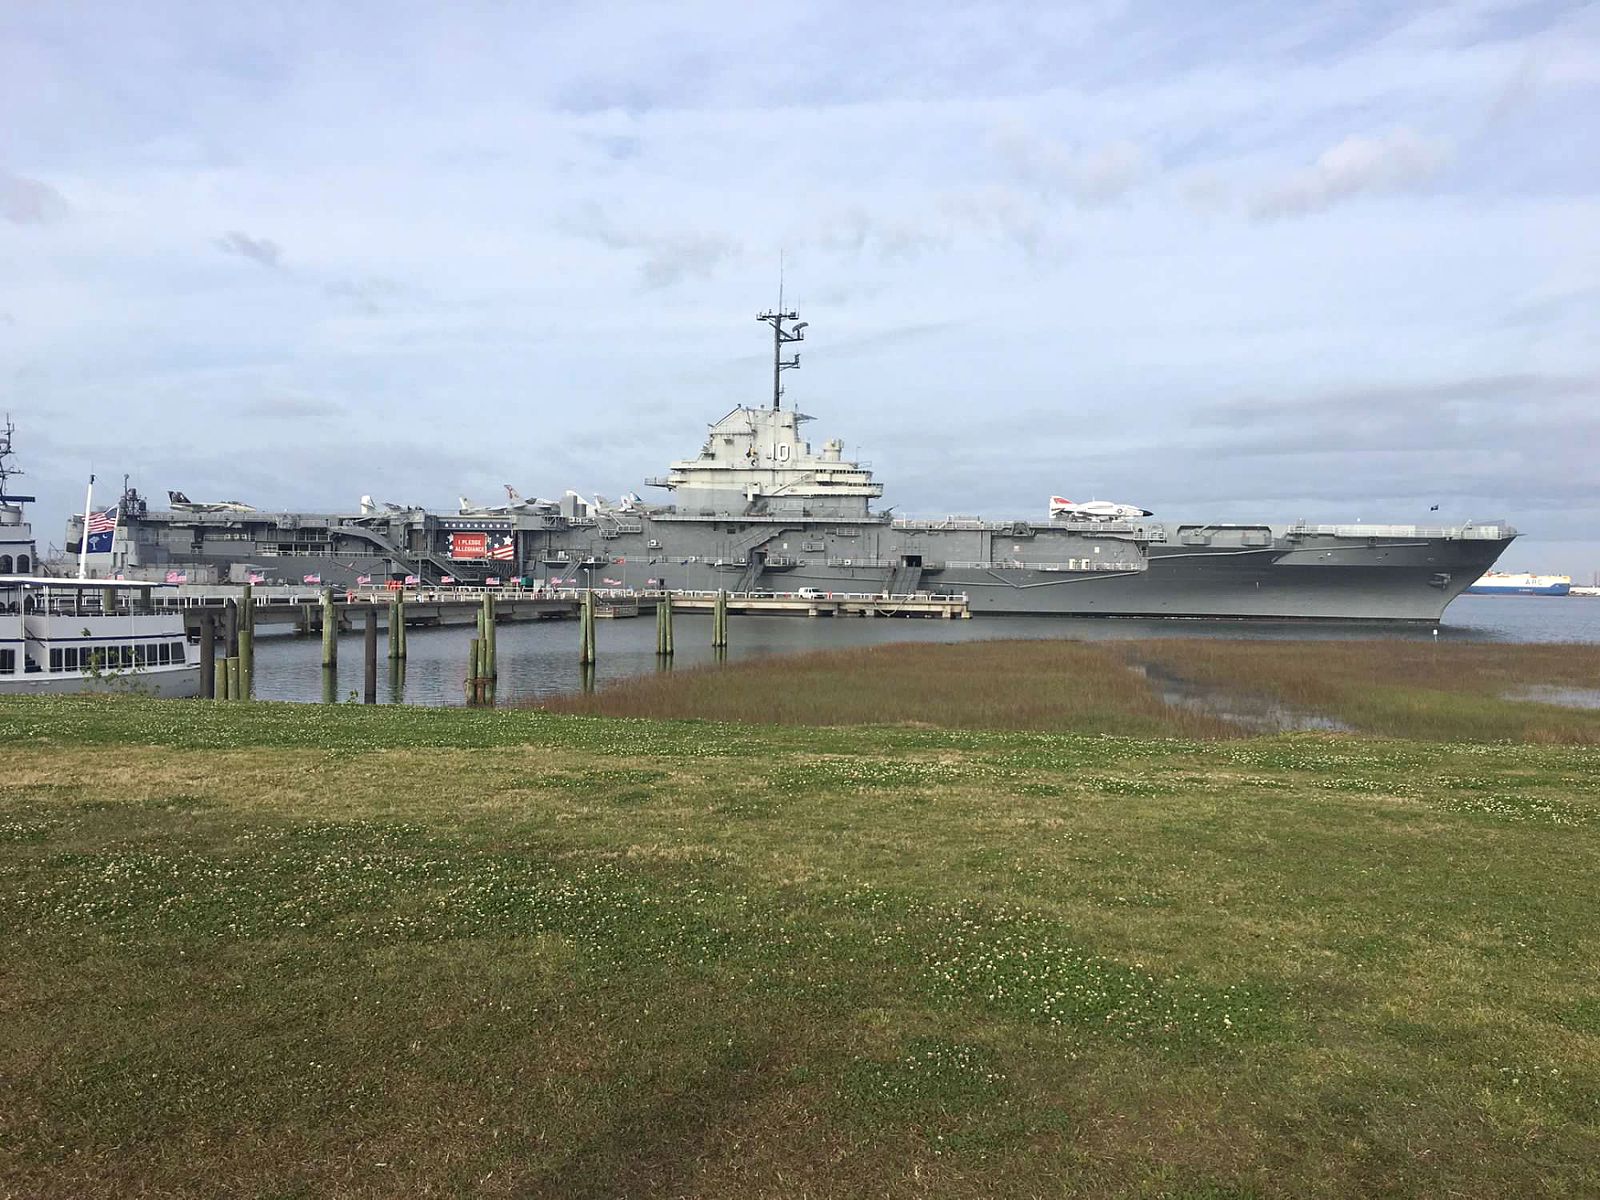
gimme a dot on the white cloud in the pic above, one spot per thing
(25, 201)
(260, 250)
(1390, 162)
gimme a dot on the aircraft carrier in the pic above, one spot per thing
(757, 508)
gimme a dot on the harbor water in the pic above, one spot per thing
(540, 658)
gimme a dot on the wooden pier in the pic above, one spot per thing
(307, 608)
(828, 604)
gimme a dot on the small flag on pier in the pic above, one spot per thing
(492, 581)
(612, 582)
(255, 577)
(177, 577)
(411, 581)
(447, 579)
(311, 579)
(363, 580)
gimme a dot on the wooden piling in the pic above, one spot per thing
(664, 625)
(369, 692)
(719, 619)
(400, 600)
(233, 677)
(208, 656)
(330, 631)
(394, 628)
(586, 647)
(219, 677)
(491, 665)
(247, 643)
(472, 670)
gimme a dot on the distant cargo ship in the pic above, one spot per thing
(1506, 583)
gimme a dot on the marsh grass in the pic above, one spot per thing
(1402, 689)
(255, 950)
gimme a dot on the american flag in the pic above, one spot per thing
(612, 582)
(504, 549)
(447, 579)
(177, 577)
(311, 579)
(104, 521)
(493, 581)
(411, 581)
(363, 580)
(254, 577)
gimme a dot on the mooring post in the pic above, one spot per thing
(719, 619)
(230, 625)
(330, 685)
(662, 604)
(394, 628)
(330, 631)
(472, 670)
(586, 628)
(233, 678)
(247, 642)
(219, 676)
(208, 656)
(491, 666)
(369, 693)
(401, 600)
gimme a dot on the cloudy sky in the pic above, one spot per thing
(1224, 260)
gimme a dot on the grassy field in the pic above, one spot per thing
(1403, 689)
(277, 950)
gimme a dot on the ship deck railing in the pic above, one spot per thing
(1472, 531)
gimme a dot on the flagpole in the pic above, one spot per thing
(83, 545)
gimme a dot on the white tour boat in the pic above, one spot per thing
(61, 636)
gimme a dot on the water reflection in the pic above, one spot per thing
(540, 658)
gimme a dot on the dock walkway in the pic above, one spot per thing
(301, 606)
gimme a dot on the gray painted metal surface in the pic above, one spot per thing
(757, 508)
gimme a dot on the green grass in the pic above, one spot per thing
(291, 951)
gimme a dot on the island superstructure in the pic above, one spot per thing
(757, 508)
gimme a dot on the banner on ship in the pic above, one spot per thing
(480, 545)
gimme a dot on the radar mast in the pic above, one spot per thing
(8, 466)
(780, 338)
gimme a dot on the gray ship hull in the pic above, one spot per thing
(758, 508)
(1149, 569)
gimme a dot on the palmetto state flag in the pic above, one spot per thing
(102, 530)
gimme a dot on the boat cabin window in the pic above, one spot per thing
(8, 662)
(23, 564)
(5, 564)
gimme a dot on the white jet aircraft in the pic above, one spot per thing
(1095, 510)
